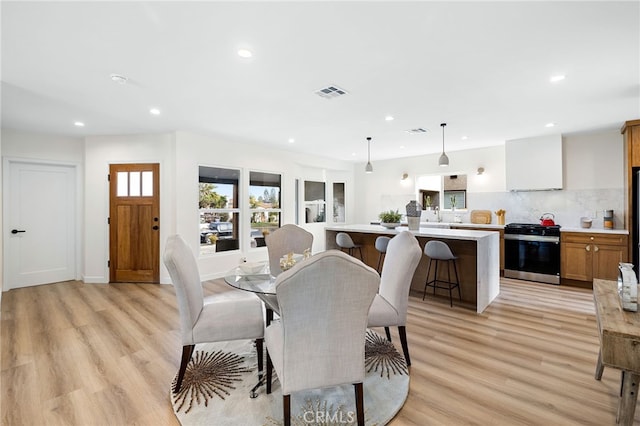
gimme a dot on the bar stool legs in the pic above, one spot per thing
(439, 251)
(344, 241)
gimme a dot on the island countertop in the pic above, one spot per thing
(478, 257)
(433, 232)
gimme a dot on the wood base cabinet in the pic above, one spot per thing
(585, 256)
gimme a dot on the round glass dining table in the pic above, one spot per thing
(260, 282)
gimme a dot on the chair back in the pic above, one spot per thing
(438, 250)
(381, 243)
(344, 240)
(324, 302)
(183, 269)
(286, 239)
(400, 263)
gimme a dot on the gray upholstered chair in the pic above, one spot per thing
(319, 339)
(344, 241)
(286, 239)
(381, 246)
(389, 308)
(233, 315)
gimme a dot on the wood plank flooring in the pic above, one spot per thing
(88, 354)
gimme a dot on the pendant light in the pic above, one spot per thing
(369, 167)
(444, 160)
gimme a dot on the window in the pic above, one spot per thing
(264, 205)
(134, 184)
(219, 211)
(314, 201)
(338, 202)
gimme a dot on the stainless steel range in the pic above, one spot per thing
(532, 252)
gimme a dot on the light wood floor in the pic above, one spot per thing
(87, 354)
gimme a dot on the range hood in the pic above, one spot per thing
(534, 164)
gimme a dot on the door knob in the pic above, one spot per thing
(15, 231)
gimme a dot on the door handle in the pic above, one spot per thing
(588, 248)
(15, 231)
(595, 248)
(155, 227)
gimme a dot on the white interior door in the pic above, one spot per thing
(40, 226)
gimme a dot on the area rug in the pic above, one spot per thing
(219, 377)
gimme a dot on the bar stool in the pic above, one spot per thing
(440, 252)
(344, 241)
(381, 245)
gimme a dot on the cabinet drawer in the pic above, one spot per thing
(595, 238)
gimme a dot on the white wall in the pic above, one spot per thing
(593, 167)
(194, 150)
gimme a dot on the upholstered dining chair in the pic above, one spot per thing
(233, 315)
(319, 340)
(389, 308)
(288, 238)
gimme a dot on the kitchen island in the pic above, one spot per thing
(478, 258)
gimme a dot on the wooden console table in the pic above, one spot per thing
(619, 332)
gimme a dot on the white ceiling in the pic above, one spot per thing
(481, 67)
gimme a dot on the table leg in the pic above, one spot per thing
(599, 366)
(628, 398)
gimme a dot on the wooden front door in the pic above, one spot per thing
(134, 217)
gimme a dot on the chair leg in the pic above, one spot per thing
(388, 333)
(435, 278)
(359, 403)
(449, 284)
(360, 251)
(286, 409)
(259, 351)
(268, 316)
(426, 284)
(455, 269)
(187, 351)
(269, 368)
(402, 331)
(379, 267)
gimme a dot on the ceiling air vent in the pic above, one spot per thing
(416, 131)
(331, 92)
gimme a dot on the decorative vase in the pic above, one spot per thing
(414, 211)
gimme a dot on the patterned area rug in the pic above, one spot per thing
(219, 378)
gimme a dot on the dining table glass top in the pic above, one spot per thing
(257, 281)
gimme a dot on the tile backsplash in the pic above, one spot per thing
(567, 206)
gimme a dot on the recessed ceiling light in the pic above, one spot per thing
(557, 78)
(401, 146)
(117, 78)
(154, 111)
(78, 124)
(291, 140)
(550, 125)
(389, 118)
(245, 53)
(464, 138)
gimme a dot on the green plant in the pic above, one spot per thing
(390, 216)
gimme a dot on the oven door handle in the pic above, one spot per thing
(535, 238)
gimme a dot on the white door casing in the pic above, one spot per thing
(39, 199)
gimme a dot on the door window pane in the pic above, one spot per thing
(122, 184)
(147, 184)
(134, 184)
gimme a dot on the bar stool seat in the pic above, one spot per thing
(440, 252)
(344, 241)
(381, 245)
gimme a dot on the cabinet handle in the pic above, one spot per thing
(595, 248)
(591, 238)
(588, 248)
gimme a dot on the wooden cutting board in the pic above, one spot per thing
(481, 216)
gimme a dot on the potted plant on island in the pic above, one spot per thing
(390, 218)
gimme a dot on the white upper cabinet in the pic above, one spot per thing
(534, 163)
